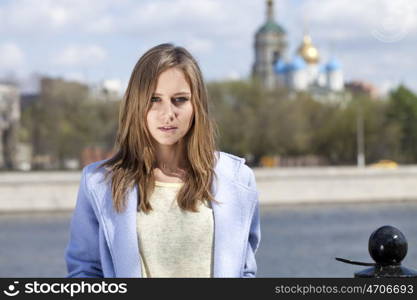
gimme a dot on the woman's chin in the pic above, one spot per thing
(167, 143)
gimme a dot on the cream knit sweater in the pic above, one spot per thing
(172, 242)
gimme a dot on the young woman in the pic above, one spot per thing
(167, 204)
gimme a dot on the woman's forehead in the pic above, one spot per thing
(172, 81)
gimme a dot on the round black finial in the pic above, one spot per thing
(388, 245)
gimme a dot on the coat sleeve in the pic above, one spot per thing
(250, 267)
(82, 253)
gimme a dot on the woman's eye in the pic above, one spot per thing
(180, 99)
(176, 99)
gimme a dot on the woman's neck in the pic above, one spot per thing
(170, 163)
(168, 177)
(170, 158)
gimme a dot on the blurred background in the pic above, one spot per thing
(319, 97)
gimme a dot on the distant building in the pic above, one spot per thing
(51, 85)
(303, 72)
(270, 46)
(26, 100)
(109, 89)
(9, 124)
(360, 87)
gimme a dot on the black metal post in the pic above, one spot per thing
(388, 247)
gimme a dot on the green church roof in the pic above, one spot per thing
(271, 26)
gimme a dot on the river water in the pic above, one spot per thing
(297, 240)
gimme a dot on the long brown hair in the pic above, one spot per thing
(135, 158)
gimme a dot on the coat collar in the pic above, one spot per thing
(122, 232)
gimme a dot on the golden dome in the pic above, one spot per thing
(308, 52)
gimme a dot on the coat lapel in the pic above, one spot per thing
(124, 241)
(228, 220)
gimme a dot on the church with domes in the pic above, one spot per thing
(302, 71)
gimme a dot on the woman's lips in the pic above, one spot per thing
(168, 130)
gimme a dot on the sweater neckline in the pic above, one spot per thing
(169, 184)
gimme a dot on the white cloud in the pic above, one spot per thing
(197, 45)
(220, 33)
(144, 18)
(113, 85)
(103, 25)
(52, 16)
(11, 56)
(385, 86)
(233, 75)
(230, 19)
(58, 16)
(341, 19)
(157, 12)
(77, 55)
(24, 17)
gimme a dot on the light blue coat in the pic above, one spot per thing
(103, 243)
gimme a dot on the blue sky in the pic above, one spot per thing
(94, 40)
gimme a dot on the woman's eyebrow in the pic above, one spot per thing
(182, 93)
(176, 94)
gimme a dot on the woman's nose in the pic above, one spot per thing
(168, 110)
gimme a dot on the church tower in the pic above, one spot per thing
(270, 46)
(311, 56)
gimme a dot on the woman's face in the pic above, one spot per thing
(170, 107)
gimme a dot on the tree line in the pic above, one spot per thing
(65, 119)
